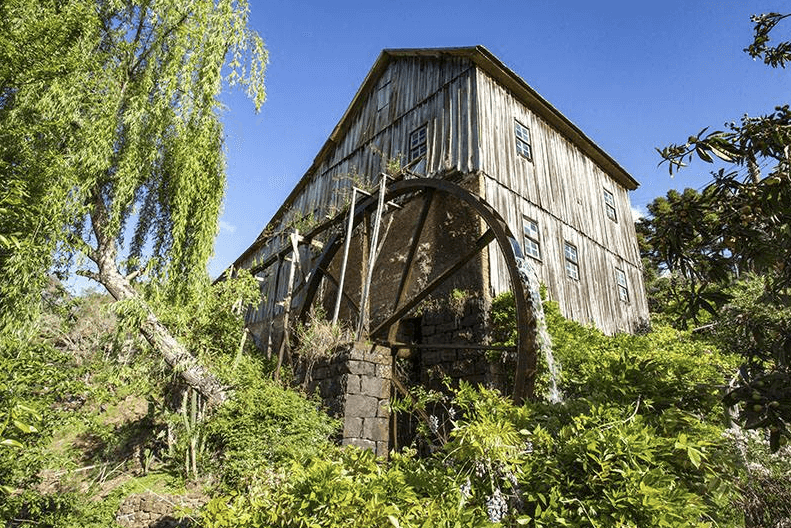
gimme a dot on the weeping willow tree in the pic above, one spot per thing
(110, 126)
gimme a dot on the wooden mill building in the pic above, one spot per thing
(460, 113)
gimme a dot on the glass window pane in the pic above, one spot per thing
(609, 205)
(417, 143)
(623, 288)
(531, 228)
(532, 249)
(572, 270)
(571, 252)
(532, 246)
(623, 294)
(572, 267)
(523, 140)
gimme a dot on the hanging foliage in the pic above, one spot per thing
(110, 126)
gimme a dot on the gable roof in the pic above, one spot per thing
(491, 65)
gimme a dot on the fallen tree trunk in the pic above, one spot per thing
(120, 288)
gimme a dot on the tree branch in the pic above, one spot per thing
(148, 51)
(89, 275)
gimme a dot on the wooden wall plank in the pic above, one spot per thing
(422, 90)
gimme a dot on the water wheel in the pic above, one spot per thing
(396, 275)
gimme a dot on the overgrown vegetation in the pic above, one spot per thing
(90, 413)
(112, 420)
(639, 441)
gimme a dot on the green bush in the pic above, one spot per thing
(349, 487)
(263, 426)
(637, 442)
(664, 368)
(572, 464)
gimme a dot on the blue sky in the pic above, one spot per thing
(632, 75)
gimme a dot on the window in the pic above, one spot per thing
(623, 289)
(523, 140)
(609, 205)
(383, 96)
(572, 264)
(531, 243)
(417, 143)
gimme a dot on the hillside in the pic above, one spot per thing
(640, 438)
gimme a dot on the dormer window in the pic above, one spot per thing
(609, 205)
(417, 143)
(523, 140)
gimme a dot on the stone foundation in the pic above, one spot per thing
(150, 510)
(465, 325)
(355, 386)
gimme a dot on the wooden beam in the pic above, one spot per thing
(287, 301)
(362, 322)
(346, 297)
(346, 242)
(446, 346)
(406, 276)
(482, 242)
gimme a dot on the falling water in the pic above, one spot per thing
(543, 340)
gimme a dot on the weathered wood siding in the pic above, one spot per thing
(563, 190)
(470, 129)
(416, 91)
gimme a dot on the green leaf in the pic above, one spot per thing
(25, 428)
(721, 154)
(702, 154)
(10, 443)
(694, 456)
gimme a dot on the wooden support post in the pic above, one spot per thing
(287, 301)
(346, 243)
(362, 322)
(272, 302)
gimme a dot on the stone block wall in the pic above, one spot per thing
(148, 510)
(355, 386)
(465, 324)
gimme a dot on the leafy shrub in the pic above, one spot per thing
(638, 442)
(262, 426)
(350, 488)
(665, 368)
(542, 465)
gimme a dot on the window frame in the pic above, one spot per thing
(609, 205)
(534, 236)
(419, 149)
(523, 140)
(622, 285)
(571, 256)
(383, 96)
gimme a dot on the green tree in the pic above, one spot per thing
(110, 125)
(751, 198)
(686, 262)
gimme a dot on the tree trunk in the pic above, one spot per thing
(174, 353)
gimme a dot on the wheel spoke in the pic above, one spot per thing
(406, 276)
(482, 242)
